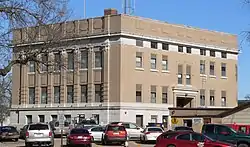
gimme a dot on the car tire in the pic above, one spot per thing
(171, 145)
(242, 145)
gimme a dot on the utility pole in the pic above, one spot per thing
(84, 9)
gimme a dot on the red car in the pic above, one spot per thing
(187, 139)
(79, 136)
(114, 133)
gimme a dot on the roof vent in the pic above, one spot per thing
(110, 11)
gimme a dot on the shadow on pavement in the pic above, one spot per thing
(148, 142)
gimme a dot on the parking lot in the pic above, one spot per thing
(20, 143)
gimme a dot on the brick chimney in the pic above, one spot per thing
(110, 11)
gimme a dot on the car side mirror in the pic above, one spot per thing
(138, 128)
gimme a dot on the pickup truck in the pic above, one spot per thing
(225, 133)
(40, 134)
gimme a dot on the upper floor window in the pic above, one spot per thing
(98, 59)
(223, 55)
(57, 61)
(154, 45)
(32, 67)
(202, 97)
(153, 94)
(153, 61)
(188, 74)
(84, 93)
(139, 42)
(212, 53)
(165, 46)
(98, 93)
(32, 95)
(180, 48)
(223, 98)
(202, 67)
(57, 94)
(164, 63)
(223, 69)
(70, 94)
(189, 50)
(212, 93)
(180, 73)
(164, 94)
(44, 95)
(211, 68)
(84, 59)
(45, 61)
(139, 60)
(203, 52)
(70, 60)
(138, 93)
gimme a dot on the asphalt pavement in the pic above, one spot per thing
(20, 143)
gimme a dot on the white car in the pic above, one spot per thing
(96, 133)
(132, 129)
(150, 134)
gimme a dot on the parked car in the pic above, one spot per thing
(79, 136)
(150, 134)
(39, 134)
(187, 139)
(114, 133)
(241, 128)
(96, 133)
(226, 134)
(183, 128)
(23, 132)
(57, 130)
(134, 131)
(9, 133)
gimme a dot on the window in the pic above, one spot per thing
(153, 61)
(165, 46)
(211, 69)
(153, 94)
(57, 60)
(68, 118)
(84, 93)
(54, 117)
(44, 95)
(31, 95)
(70, 94)
(57, 94)
(164, 63)
(28, 119)
(243, 129)
(223, 69)
(98, 59)
(70, 60)
(180, 48)
(202, 97)
(139, 43)
(154, 118)
(45, 59)
(132, 126)
(164, 95)
(223, 55)
(97, 129)
(41, 118)
(212, 53)
(138, 93)
(98, 93)
(189, 50)
(32, 66)
(203, 52)
(180, 70)
(154, 45)
(223, 129)
(184, 137)
(198, 137)
(209, 129)
(188, 74)
(212, 93)
(84, 59)
(202, 67)
(139, 60)
(223, 98)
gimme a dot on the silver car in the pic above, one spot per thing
(40, 134)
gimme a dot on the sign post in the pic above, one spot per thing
(61, 126)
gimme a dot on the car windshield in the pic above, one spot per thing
(8, 129)
(116, 128)
(154, 130)
(39, 127)
(79, 131)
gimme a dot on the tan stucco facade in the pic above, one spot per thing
(116, 37)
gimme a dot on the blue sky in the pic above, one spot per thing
(230, 16)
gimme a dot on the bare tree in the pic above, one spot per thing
(247, 97)
(5, 96)
(24, 23)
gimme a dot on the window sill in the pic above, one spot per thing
(71, 70)
(154, 70)
(212, 76)
(181, 85)
(57, 71)
(140, 69)
(189, 85)
(203, 75)
(31, 73)
(223, 77)
(165, 71)
(97, 68)
(83, 69)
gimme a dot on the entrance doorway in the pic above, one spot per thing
(188, 122)
(139, 120)
(165, 121)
